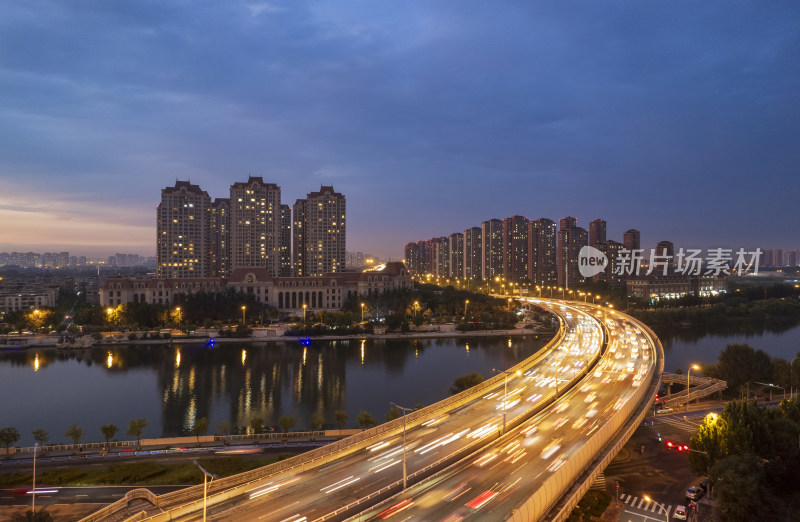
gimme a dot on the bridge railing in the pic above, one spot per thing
(121, 504)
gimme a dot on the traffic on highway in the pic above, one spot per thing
(512, 469)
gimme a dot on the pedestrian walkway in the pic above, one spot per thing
(644, 504)
(688, 425)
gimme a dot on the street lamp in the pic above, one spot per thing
(465, 308)
(505, 391)
(791, 383)
(416, 308)
(33, 493)
(362, 312)
(243, 309)
(206, 474)
(304, 313)
(404, 439)
(691, 367)
(666, 513)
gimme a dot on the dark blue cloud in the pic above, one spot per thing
(679, 119)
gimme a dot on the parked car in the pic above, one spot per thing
(663, 410)
(704, 484)
(680, 512)
(694, 493)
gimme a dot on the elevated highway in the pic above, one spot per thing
(563, 407)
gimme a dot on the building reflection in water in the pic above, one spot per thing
(239, 382)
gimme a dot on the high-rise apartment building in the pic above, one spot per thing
(456, 240)
(543, 240)
(319, 235)
(220, 237)
(612, 251)
(571, 239)
(515, 248)
(255, 225)
(182, 232)
(285, 241)
(631, 240)
(597, 232)
(440, 255)
(664, 261)
(492, 240)
(473, 253)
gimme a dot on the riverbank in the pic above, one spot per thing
(34, 341)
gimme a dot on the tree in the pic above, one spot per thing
(108, 430)
(226, 427)
(465, 382)
(317, 420)
(341, 419)
(257, 425)
(200, 427)
(8, 437)
(41, 436)
(738, 487)
(41, 515)
(366, 420)
(136, 428)
(287, 422)
(392, 414)
(740, 364)
(75, 433)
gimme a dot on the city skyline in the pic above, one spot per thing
(678, 120)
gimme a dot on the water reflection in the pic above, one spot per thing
(175, 386)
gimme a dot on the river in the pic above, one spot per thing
(173, 385)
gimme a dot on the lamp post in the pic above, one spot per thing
(243, 309)
(206, 474)
(666, 515)
(465, 308)
(405, 476)
(505, 391)
(33, 493)
(691, 367)
(791, 382)
(362, 312)
(416, 308)
(304, 313)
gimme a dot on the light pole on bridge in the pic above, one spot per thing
(405, 476)
(505, 391)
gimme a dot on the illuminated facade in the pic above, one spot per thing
(492, 237)
(287, 294)
(182, 232)
(220, 238)
(473, 254)
(255, 225)
(515, 248)
(571, 238)
(456, 240)
(320, 233)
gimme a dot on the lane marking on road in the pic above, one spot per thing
(641, 515)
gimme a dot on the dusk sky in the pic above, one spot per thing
(680, 119)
